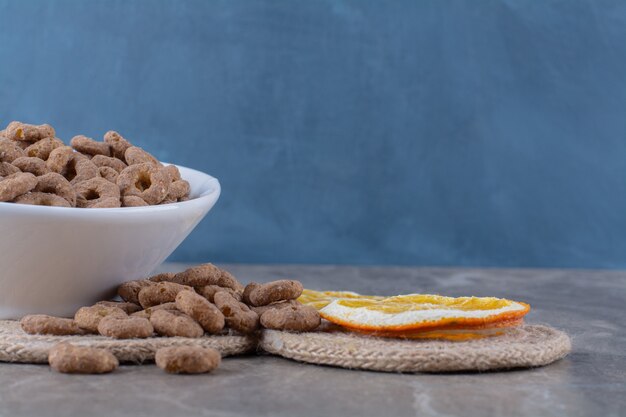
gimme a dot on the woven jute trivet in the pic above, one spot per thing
(522, 347)
(17, 346)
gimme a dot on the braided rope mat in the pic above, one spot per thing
(522, 347)
(17, 346)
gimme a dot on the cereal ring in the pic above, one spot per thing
(295, 317)
(88, 318)
(159, 293)
(136, 155)
(16, 184)
(168, 201)
(75, 167)
(209, 291)
(54, 183)
(207, 274)
(9, 151)
(70, 359)
(128, 308)
(88, 146)
(110, 202)
(107, 161)
(173, 323)
(24, 131)
(133, 201)
(238, 315)
(33, 165)
(178, 189)
(94, 191)
(117, 144)
(7, 169)
(43, 148)
(37, 198)
(145, 181)
(129, 291)
(172, 173)
(148, 311)
(164, 276)
(201, 310)
(108, 174)
(187, 359)
(272, 292)
(44, 324)
(125, 327)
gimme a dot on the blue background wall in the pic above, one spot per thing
(371, 132)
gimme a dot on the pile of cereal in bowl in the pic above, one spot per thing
(37, 168)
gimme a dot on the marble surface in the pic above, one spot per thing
(590, 381)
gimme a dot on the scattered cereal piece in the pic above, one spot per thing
(187, 359)
(173, 323)
(16, 184)
(128, 308)
(207, 274)
(125, 327)
(129, 291)
(159, 293)
(295, 317)
(164, 276)
(209, 291)
(70, 359)
(238, 315)
(245, 296)
(281, 304)
(272, 292)
(88, 318)
(201, 310)
(50, 325)
(148, 311)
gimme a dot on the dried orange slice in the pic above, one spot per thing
(414, 313)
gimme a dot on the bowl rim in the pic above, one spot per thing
(208, 195)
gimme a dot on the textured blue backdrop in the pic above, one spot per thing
(404, 132)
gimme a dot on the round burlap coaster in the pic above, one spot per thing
(522, 347)
(17, 346)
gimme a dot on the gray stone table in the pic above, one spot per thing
(590, 382)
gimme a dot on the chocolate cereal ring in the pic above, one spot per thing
(117, 144)
(42, 148)
(110, 202)
(94, 191)
(9, 151)
(108, 174)
(135, 155)
(143, 180)
(107, 161)
(75, 167)
(88, 146)
(133, 201)
(178, 189)
(172, 172)
(54, 183)
(37, 198)
(16, 184)
(25, 132)
(7, 169)
(33, 165)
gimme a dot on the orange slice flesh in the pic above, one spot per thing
(413, 312)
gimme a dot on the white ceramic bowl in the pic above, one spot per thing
(54, 260)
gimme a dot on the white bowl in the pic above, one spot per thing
(53, 260)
